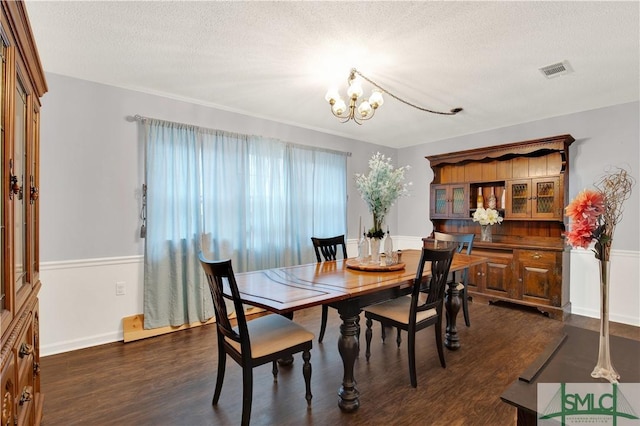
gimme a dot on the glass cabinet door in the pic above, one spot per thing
(546, 198)
(534, 198)
(33, 194)
(519, 198)
(3, 281)
(18, 174)
(449, 200)
(458, 201)
(439, 201)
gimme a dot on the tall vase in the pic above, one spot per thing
(374, 243)
(492, 198)
(485, 233)
(603, 368)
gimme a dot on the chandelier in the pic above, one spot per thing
(367, 107)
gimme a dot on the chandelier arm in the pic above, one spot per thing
(452, 112)
(351, 115)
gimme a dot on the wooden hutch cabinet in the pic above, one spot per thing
(22, 86)
(528, 259)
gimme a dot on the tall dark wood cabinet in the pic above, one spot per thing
(23, 84)
(528, 259)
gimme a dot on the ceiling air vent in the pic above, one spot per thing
(555, 70)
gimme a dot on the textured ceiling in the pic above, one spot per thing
(276, 60)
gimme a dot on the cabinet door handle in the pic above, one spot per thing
(34, 192)
(26, 396)
(25, 350)
(14, 188)
(536, 256)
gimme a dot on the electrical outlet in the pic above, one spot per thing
(120, 288)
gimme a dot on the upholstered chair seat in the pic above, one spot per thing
(271, 334)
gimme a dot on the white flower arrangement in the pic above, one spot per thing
(486, 216)
(381, 188)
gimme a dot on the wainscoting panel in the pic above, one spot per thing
(79, 307)
(78, 302)
(624, 290)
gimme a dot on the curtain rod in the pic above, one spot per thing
(143, 119)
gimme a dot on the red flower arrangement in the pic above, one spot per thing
(595, 213)
(585, 211)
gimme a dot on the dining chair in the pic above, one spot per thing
(463, 240)
(415, 313)
(327, 249)
(251, 343)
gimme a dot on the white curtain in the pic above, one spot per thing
(254, 200)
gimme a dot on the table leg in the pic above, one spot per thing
(284, 362)
(452, 307)
(348, 347)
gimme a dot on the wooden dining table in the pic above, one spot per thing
(288, 289)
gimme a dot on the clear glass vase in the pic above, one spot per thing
(363, 249)
(374, 244)
(485, 233)
(604, 369)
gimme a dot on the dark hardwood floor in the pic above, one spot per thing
(169, 380)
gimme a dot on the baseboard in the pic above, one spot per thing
(133, 326)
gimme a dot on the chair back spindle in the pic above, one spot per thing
(327, 248)
(223, 286)
(440, 260)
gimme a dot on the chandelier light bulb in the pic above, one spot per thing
(376, 99)
(332, 96)
(355, 90)
(339, 107)
(365, 109)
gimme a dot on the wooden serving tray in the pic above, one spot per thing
(372, 267)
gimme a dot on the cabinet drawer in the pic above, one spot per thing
(536, 256)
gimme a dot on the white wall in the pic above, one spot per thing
(91, 173)
(606, 136)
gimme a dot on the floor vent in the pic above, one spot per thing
(555, 70)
